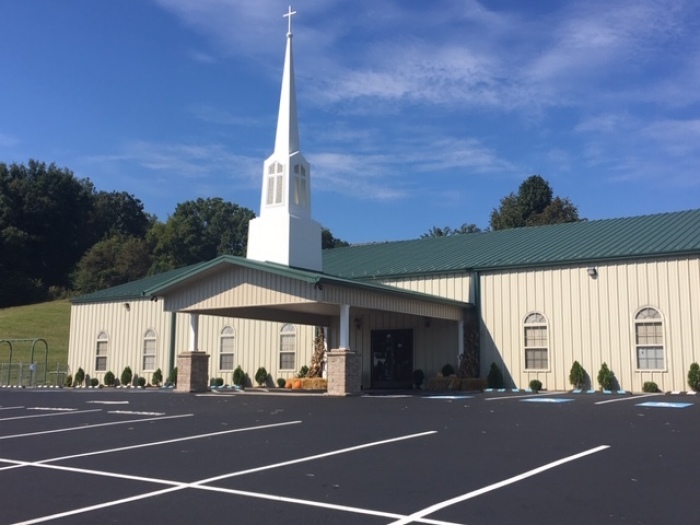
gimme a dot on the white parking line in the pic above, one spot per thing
(314, 457)
(88, 427)
(469, 495)
(10, 408)
(52, 414)
(525, 395)
(628, 398)
(167, 441)
(176, 485)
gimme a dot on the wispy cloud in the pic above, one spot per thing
(8, 141)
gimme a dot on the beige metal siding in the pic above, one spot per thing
(433, 345)
(449, 286)
(256, 343)
(592, 320)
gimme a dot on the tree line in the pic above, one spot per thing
(533, 205)
(60, 236)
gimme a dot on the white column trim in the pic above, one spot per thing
(344, 340)
(194, 333)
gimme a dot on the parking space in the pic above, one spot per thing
(120, 456)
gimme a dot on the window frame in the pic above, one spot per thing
(657, 323)
(101, 343)
(225, 335)
(287, 331)
(536, 320)
(149, 342)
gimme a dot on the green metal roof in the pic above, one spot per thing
(156, 284)
(571, 243)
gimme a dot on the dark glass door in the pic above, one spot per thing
(392, 358)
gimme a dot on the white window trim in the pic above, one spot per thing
(102, 337)
(232, 353)
(154, 338)
(546, 348)
(282, 333)
(636, 347)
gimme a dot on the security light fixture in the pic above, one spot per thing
(592, 272)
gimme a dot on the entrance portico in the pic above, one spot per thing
(237, 287)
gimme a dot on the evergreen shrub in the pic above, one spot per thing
(650, 386)
(447, 370)
(606, 378)
(281, 382)
(68, 381)
(303, 371)
(694, 377)
(261, 376)
(418, 377)
(157, 378)
(79, 377)
(109, 378)
(126, 376)
(172, 378)
(141, 381)
(535, 385)
(495, 377)
(577, 376)
(239, 376)
(94, 382)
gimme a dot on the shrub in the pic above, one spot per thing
(577, 376)
(141, 381)
(281, 382)
(239, 376)
(694, 377)
(650, 386)
(109, 379)
(126, 376)
(219, 381)
(447, 370)
(172, 377)
(68, 381)
(535, 385)
(606, 378)
(261, 376)
(94, 382)
(157, 378)
(418, 377)
(303, 371)
(495, 377)
(79, 377)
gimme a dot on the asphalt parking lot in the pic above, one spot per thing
(126, 456)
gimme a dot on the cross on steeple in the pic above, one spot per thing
(289, 15)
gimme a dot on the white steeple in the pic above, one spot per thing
(284, 232)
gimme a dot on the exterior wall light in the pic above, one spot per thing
(592, 272)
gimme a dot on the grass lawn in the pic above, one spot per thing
(48, 321)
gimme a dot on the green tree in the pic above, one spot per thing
(328, 241)
(533, 205)
(110, 262)
(198, 231)
(446, 231)
(43, 229)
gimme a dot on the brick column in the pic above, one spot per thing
(192, 372)
(344, 372)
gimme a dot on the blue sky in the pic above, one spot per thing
(412, 113)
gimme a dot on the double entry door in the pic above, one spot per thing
(392, 358)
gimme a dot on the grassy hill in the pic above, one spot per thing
(48, 321)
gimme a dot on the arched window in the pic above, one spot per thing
(149, 350)
(536, 342)
(288, 344)
(649, 339)
(226, 346)
(101, 352)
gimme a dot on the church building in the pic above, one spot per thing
(533, 300)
